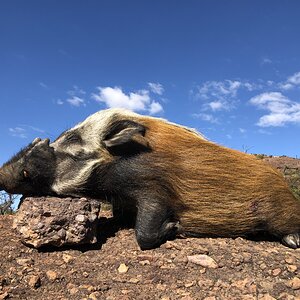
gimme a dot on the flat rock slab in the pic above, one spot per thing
(52, 221)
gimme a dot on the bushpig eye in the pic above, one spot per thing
(25, 174)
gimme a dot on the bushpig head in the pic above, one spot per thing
(76, 163)
(31, 171)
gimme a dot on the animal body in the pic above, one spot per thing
(166, 177)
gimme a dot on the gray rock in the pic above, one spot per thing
(43, 221)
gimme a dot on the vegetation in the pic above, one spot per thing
(292, 175)
(6, 203)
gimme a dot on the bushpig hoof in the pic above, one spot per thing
(292, 240)
(150, 240)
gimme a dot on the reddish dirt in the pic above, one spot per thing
(245, 269)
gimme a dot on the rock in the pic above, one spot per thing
(240, 284)
(85, 274)
(122, 269)
(3, 296)
(294, 283)
(134, 280)
(43, 221)
(51, 275)
(189, 284)
(292, 268)
(290, 260)
(266, 297)
(34, 281)
(276, 272)
(25, 262)
(203, 260)
(94, 296)
(72, 288)
(285, 296)
(67, 258)
(144, 262)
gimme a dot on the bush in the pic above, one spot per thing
(6, 203)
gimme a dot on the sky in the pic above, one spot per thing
(230, 69)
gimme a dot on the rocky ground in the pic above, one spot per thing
(115, 268)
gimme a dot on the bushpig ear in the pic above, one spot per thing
(126, 137)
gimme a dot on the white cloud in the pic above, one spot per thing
(137, 101)
(266, 61)
(22, 131)
(59, 102)
(36, 129)
(242, 130)
(18, 132)
(294, 79)
(222, 95)
(292, 82)
(76, 101)
(76, 91)
(218, 105)
(206, 117)
(155, 108)
(281, 110)
(218, 89)
(156, 88)
(43, 85)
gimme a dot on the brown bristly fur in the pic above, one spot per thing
(224, 192)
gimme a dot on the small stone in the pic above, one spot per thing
(294, 283)
(94, 296)
(206, 283)
(266, 297)
(73, 291)
(253, 288)
(165, 298)
(289, 260)
(24, 261)
(210, 298)
(189, 284)
(51, 275)
(123, 269)
(203, 260)
(67, 258)
(285, 296)
(292, 268)
(161, 287)
(169, 245)
(240, 284)
(276, 272)
(134, 280)
(80, 218)
(144, 262)
(263, 266)
(34, 281)
(249, 297)
(85, 274)
(3, 296)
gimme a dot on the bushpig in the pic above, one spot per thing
(167, 178)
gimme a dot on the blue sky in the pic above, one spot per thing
(230, 69)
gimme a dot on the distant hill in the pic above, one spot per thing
(290, 167)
